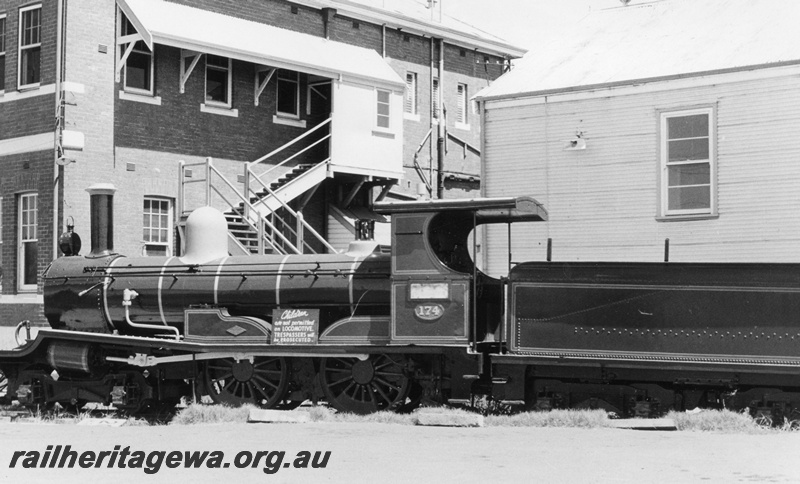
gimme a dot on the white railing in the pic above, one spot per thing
(257, 214)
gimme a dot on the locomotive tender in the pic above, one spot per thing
(373, 328)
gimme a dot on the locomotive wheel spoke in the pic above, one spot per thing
(355, 386)
(263, 383)
(3, 385)
(383, 395)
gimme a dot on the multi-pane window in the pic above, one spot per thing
(383, 110)
(2, 52)
(687, 162)
(157, 226)
(462, 111)
(27, 252)
(435, 98)
(218, 80)
(288, 93)
(30, 45)
(411, 93)
(139, 65)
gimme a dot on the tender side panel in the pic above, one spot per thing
(688, 312)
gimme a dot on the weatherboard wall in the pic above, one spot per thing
(603, 202)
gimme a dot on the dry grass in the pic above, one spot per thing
(724, 421)
(589, 419)
(202, 414)
(194, 414)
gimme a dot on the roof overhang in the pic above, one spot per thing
(184, 27)
(487, 210)
(419, 27)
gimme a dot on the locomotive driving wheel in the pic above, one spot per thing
(356, 386)
(262, 382)
(4, 389)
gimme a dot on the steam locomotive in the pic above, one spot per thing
(376, 328)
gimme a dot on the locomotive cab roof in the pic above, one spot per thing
(486, 210)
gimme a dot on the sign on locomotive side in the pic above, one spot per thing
(295, 326)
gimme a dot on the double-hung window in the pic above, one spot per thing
(218, 80)
(157, 227)
(687, 163)
(139, 65)
(410, 107)
(2, 52)
(30, 46)
(27, 242)
(462, 107)
(383, 109)
(288, 103)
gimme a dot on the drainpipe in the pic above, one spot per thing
(327, 17)
(383, 41)
(442, 121)
(431, 147)
(58, 170)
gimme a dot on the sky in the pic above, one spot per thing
(523, 23)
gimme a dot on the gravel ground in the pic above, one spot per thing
(395, 453)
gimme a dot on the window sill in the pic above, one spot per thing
(287, 121)
(463, 126)
(383, 134)
(686, 218)
(22, 297)
(411, 117)
(140, 98)
(222, 111)
(29, 87)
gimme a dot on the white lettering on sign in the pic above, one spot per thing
(429, 312)
(294, 313)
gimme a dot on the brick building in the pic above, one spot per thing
(289, 116)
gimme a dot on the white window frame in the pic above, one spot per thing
(665, 164)
(462, 106)
(145, 51)
(411, 105)
(377, 116)
(4, 22)
(27, 233)
(229, 93)
(34, 45)
(280, 80)
(157, 227)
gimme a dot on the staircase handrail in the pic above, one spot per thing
(251, 207)
(252, 226)
(284, 146)
(289, 209)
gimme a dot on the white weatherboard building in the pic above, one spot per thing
(673, 119)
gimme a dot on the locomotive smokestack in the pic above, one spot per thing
(101, 207)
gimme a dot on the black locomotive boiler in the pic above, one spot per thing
(379, 328)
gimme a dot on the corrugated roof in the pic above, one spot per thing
(195, 29)
(657, 39)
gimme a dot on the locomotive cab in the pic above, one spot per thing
(434, 272)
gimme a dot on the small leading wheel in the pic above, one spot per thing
(262, 382)
(355, 386)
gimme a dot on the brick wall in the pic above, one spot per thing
(178, 125)
(27, 116)
(23, 173)
(48, 38)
